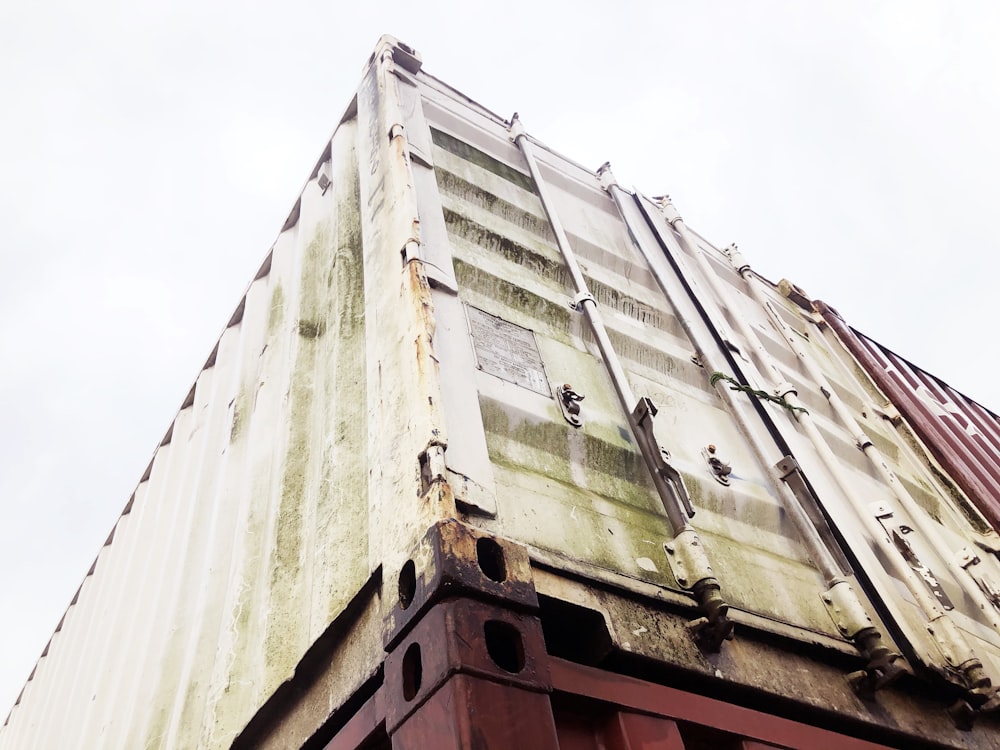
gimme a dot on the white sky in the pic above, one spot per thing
(151, 151)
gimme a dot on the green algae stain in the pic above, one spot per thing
(312, 329)
(535, 264)
(320, 496)
(342, 512)
(243, 653)
(281, 643)
(349, 291)
(241, 414)
(481, 159)
(513, 296)
(959, 501)
(456, 186)
(276, 313)
(557, 451)
(885, 446)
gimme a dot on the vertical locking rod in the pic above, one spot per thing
(700, 579)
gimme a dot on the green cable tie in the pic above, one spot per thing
(764, 395)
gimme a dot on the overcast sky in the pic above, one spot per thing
(151, 151)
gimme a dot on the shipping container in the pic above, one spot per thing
(962, 435)
(494, 453)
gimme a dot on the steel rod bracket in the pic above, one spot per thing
(642, 416)
(579, 299)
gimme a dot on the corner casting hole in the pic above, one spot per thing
(407, 584)
(490, 556)
(503, 643)
(413, 672)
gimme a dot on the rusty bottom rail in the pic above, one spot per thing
(589, 708)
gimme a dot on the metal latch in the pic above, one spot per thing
(720, 469)
(898, 533)
(929, 579)
(642, 415)
(967, 558)
(569, 401)
(687, 559)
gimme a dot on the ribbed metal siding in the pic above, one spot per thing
(250, 530)
(582, 495)
(934, 519)
(962, 434)
(294, 471)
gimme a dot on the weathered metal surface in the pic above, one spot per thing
(599, 507)
(325, 687)
(658, 700)
(456, 560)
(470, 712)
(249, 532)
(506, 263)
(753, 665)
(962, 434)
(463, 635)
(405, 418)
(343, 469)
(589, 709)
(362, 727)
(469, 674)
(794, 372)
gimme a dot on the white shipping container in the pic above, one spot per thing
(457, 322)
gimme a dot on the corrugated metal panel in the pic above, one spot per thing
(250, 530)
(925, 523)
(962, 434)
(602, 524)
(599, 509)
(459, 323)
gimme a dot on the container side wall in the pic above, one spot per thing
(249, 535)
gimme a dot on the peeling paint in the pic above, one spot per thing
(646, 564)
